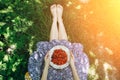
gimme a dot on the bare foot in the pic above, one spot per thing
(53, 9)
(59, 12)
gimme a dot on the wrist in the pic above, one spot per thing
(73, 68)
(72, 65)
(46, 64)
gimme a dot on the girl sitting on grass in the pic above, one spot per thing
(39, 61)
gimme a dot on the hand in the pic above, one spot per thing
(45, 70)
(74, 71)
(71, 59)
(47, 59)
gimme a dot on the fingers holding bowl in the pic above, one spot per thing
(71, 59)
(47, 58)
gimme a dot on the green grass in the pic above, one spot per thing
(25, 22)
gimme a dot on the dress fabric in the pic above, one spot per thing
(36, 61)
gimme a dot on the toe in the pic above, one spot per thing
(53, 6)
(59, 6)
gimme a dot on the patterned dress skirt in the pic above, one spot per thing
(36, 61)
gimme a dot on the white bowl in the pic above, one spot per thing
(68, 56)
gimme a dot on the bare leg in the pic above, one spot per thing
(54, 29)
(62, 32)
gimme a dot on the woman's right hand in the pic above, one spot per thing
(72, 64)
(71, 59)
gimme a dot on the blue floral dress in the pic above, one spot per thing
(36, 61)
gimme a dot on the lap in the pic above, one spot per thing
(36, 61)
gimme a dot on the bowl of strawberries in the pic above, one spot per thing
(59, 57)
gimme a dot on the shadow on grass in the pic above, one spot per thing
(24, 23)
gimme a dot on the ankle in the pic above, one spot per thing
(55, 19)
(60, 19)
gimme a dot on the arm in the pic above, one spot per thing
(74, 71)
(45, 71)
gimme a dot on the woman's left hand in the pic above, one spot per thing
(45, 71)
(47, 59)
